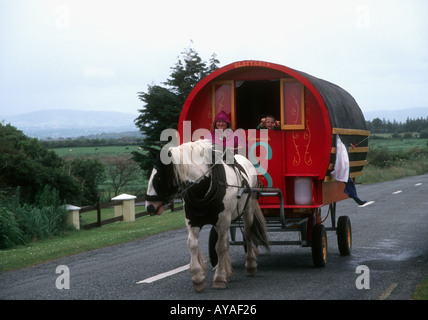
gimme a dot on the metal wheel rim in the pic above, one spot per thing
(324, 246)
(349, 236)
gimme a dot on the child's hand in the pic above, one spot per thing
(277, 124)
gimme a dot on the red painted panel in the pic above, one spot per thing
(292, 103)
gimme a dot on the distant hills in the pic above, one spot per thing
(57, 124)
(71, 123)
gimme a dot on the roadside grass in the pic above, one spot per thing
(421, 292)
(77, 241)
(373, 174)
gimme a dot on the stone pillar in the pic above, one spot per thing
(118, 210)
(73, 215)
(127, 207)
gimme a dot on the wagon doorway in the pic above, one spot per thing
(255, 100)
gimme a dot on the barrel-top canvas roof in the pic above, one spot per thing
(343, 111)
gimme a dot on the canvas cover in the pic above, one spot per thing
(343, 110)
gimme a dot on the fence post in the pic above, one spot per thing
(99, 214)
(73, 217)
(128, 206)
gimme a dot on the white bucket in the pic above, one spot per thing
(303, 190)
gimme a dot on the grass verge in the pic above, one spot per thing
(77, 241)
(421, 292)
(373, 174)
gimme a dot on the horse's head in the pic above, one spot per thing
(161, 187)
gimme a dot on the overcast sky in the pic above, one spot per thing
(96, 55)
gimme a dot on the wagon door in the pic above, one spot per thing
(223, 99)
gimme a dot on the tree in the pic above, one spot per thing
(424, 134)
(121, 172)
(163, 104)
(89, 173)
(26, 163)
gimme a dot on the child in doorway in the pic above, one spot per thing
(224, 135)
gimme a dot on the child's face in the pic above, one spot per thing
(270, 122)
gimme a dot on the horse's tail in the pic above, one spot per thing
(258, 229)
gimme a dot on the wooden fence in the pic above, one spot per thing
(110, 204)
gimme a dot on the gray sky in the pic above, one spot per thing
(96, 55)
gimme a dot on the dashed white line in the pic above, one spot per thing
(164, 275)
(418, 184)
(396, 192)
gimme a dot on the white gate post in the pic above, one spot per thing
(73, 215)
(128, 206)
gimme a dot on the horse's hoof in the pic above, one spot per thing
(219, 285)
(199, 287)
(250, 272)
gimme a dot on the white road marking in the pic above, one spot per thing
(398, 191)
(366, 204)
(388, 291)
(164, 275)
(418, 184)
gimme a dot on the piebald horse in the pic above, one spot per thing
(209, 188)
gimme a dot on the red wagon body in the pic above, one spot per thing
(296, 161)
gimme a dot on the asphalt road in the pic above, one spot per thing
(390, 239)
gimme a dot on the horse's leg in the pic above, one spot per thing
(252, 251)
(223, 270)
(197, 263)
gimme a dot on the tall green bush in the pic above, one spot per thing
(24, 222)
(10, 233)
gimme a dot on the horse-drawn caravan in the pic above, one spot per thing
(309, 163)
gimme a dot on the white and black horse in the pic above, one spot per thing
(210, 192)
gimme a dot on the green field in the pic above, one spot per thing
(107, 155)
(397, 144)
(98, 152)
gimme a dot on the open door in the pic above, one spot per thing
(223, 99)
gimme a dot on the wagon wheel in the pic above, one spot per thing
(212, 241)
(344, 235)
(319, 246)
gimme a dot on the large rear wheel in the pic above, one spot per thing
(344, 235)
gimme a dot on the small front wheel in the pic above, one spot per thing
(319, 246)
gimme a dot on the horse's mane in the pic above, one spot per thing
(197, 154)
